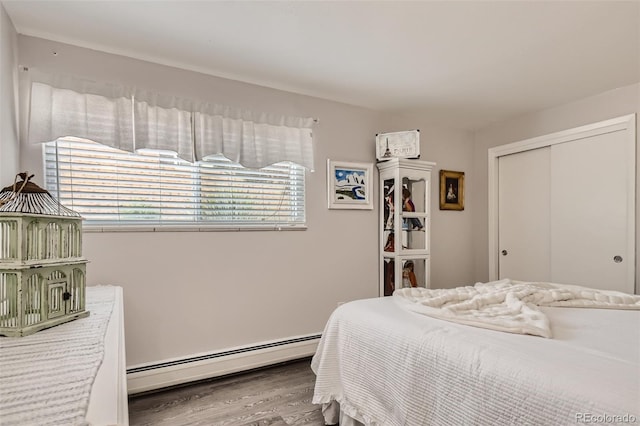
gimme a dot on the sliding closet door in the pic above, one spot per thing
(573, 192)
(589, 212)
(523, 209)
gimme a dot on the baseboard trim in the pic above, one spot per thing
(155, 376)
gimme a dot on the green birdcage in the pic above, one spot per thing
(42, 271)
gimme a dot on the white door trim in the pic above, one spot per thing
(625, 123)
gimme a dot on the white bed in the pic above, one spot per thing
(385, 365)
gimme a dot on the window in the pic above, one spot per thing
(156, 189)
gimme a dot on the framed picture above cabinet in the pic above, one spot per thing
(398, 145)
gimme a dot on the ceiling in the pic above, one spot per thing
(463, 63)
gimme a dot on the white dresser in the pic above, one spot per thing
(71, 374)
(108, 403)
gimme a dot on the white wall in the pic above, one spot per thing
(610, 104)
(9, 146)
(187, 292)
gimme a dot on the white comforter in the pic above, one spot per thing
(388, 366)
(511, 306)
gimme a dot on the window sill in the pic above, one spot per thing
(190, 228)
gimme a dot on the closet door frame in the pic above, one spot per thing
(625, 123)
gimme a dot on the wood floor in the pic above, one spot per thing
(277, 396)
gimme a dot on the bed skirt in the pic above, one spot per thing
(334, 416)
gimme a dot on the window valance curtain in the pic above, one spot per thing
(129, 119)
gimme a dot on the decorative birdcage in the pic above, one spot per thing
(42, 271)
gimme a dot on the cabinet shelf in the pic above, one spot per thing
(416, 215)
(406, 230)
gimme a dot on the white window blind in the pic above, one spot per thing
(156, 188)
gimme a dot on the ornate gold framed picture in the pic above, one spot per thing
(451, 190)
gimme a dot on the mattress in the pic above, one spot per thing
(386, 365)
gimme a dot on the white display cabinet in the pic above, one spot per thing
(405, 224)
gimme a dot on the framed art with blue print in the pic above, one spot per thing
(349, 185)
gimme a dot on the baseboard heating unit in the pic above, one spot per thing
(173, 372)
